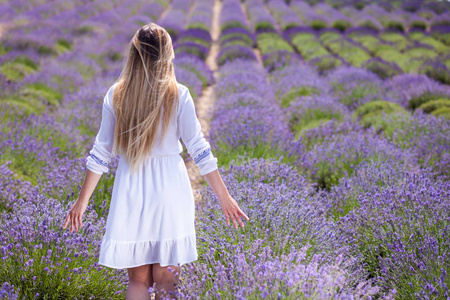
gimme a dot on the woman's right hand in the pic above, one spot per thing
(232, 211)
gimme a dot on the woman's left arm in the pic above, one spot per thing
(97, 163)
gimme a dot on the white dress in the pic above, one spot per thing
(152, 212)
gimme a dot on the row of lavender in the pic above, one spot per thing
(288, 249)
(380, 172)
(280, 35)
(43, 153)
(375, 15)
(355, 92)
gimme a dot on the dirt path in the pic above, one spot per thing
(205, 103)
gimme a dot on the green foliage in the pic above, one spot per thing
(308, 46)
(420, 100)
(86, 70)
(164, 3)
(308, 141)
(426, 14)
(369, 24)
(63, 45)
(264, 25)
(429, 40)
(370, 114)
(341, 25)
(379, 48)
(200, 76)
(195, 40)
(325, 63)
(192, 50)
(10, 113)
(420, 52)
(437, 71)
(116, 56)
(442, 37)
(432, 105)
(24, 105)
(232, 24)
(350, 52)
(227, 154)
(278, 60)
(70, 86)
(236, 36)
(383, 70)
(399, 40)
(44, 50)
(326, 177)
(442, 112)
(4, 50)
(26, 165)
(329, 36)
(15, 70)
(85, 29)
(289, 25)
(340, 211)
(296, 92)
(34, 98)
(392, 55)
(60, 281)
(234, 42)
(394, 24)
(376, 107)
(372, 43)
(198, 25)
(349, 97)
(318, 24)
(43, 92)
(359, 5)
(233, 53)
(311, 118)
(173, 32)
(420, 24)
(270, 42)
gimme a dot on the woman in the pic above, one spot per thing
(150, 225)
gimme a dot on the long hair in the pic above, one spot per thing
(145, 94)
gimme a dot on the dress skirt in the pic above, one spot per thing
(151, 215)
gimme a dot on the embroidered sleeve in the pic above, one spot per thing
(101, 152)
(191, 133)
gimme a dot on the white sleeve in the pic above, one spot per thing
(101, 153)
(191, 134)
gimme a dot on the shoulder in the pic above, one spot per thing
(109, 96)
(184, 95)
(183, 91)
(110, 91)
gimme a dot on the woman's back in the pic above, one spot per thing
(187, 127)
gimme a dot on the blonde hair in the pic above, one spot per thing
(146, 91)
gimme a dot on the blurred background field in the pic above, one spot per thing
(330, 121)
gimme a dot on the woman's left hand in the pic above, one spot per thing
(75, 215)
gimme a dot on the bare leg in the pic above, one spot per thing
(166, 280)
(140, 279)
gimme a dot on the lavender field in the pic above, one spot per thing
(330, 121)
